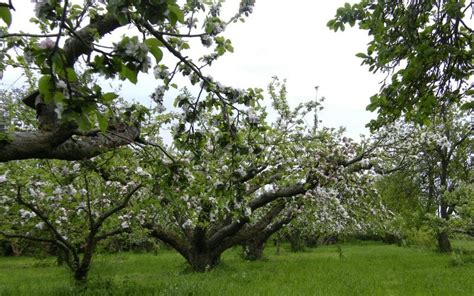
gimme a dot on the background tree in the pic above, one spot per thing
(67, 206)
(437, 159)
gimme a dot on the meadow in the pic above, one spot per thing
(347, 269)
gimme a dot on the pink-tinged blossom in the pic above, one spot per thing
(47, 43)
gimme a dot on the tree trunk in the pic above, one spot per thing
(60, 259)
(80, 275)
(444, 245)
(81, 272)
(16, 248)
(312, 241)
(277, 243)
(202, 262)
(296, 243)
(253, 249)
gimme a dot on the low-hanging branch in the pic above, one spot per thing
(62, 143)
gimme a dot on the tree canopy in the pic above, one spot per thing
(71, 56)
(424, 47)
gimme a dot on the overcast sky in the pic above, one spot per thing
(288, 39)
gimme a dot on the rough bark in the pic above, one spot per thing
(254, 245)
(253, 249)
(61, 144)
(203, 261)
(203, 248)
(57, 141)
(82, 270)
(444, 245)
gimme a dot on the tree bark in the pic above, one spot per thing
(55, 141)
(203, 261)
(60, 144)
(255, 244)
(444, 244)
(80, 275)
(253, 249)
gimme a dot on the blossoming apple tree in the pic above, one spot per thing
(76, 49)
(70, 205)
(439, 159)
(218, 187)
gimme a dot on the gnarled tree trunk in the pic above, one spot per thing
(203, 261)
(253, 249)
(254, 246)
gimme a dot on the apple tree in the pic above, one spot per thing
(76, 50)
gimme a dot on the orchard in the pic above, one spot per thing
(215, 174)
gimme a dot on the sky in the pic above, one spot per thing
(288, 39)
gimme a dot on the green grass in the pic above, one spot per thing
(364, 269)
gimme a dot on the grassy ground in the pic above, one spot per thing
(363, 269)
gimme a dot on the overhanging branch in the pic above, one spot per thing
(61, 144)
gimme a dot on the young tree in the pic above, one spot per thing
(65, 205)
(74, 51)
(426, 49)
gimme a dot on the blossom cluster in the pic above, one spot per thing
(133, 50)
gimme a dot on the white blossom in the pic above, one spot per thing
(161, 72)
(248, 212)
(206, 40)
(47, 43)
(40, 225)
(76, 167)
(187, 224)
(252, 117)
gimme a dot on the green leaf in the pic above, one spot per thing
(58, 97)
(109, 97)
(362, 55)
(468, 106)
(179, 15)
(331, 23)
(153, 42)
(129, 74)
(6, 15)
(45, 87)
(153, 45)
(84, 122)
(157, 53)
(71, 75)
(103, 121)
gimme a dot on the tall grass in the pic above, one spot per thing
(349, 269)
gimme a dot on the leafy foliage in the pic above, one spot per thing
(424, 47)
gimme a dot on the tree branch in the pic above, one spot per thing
(268, 197)
(59, 144)
(116, 209)
(170, 238)
(28, 237)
